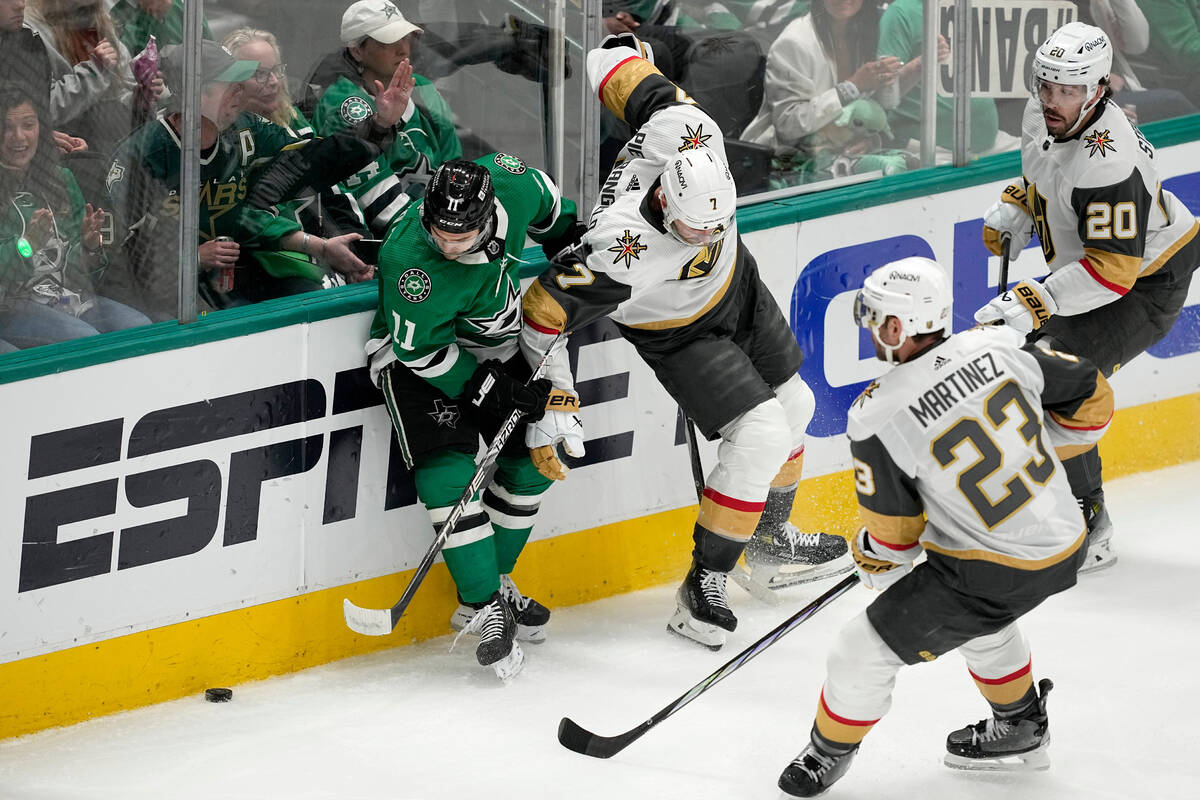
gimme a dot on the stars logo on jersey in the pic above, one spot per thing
(355, 109)
(511, 163)
(414, 285)
(1099, 142)
(628, 248)
(505, 323)
(695, 139)
(444, 416)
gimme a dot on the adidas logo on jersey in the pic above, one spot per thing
(940, 362)
(634, 185)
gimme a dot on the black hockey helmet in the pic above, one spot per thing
(460, 198)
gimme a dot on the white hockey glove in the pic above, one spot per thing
(1026, 307)
(878, 566)
(560, 424)
(630, 40)
(1009, 215)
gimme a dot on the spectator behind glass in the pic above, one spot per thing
(330, 213)
(1174, 44)
(379, 42)
(901, 35)
(1129, 31)
(50, 245)
(820, 64)
(138, 20)
(101, 110)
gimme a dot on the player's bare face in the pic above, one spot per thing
(696, 236)
(1060, 106)
(380, 60)
(454, 245)
(19, 137)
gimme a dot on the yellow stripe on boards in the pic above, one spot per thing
(287, 635)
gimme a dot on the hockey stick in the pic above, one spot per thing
(573, 737)
(689, 433)
(382, 621)
(1005, 244)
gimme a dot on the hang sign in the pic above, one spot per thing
(1005, 34)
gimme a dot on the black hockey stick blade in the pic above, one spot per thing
(580, 740)
(584, 742)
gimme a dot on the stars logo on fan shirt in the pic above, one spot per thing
(628, 248)
(414, 285)
(1099, 142)
(444, 416)
(695, 139)
(355, 109)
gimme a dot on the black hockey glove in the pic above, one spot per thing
(493, 390)
(572, 236)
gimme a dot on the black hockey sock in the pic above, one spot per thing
(1017, 709)
(715, 552)
(776, 510)
(1084, 473)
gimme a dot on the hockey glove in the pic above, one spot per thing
(572, 236)
(630, 40)
(561, 424)
(493, 390)
(1009, 215)
(1026, 307)
(879, 566)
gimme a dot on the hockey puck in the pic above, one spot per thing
(218, 695)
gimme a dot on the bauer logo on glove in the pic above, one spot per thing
(560, 424)
(1026, 307)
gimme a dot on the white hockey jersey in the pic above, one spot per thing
(1099, 208)
(953, 451)
(635, 272)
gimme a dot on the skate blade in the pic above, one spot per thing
(1034, 760)
(764, 581)
(683, 624)
(1098, 561)
(533, 634)
(507, 667)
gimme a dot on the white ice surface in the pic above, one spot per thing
(419, 722)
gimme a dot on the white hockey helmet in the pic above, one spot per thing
(1076, 54)
(914, 290)
(699, 192)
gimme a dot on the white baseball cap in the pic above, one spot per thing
(379, 19)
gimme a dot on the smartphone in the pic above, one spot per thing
(367, 250)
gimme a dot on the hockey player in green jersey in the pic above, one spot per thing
(378, 40)
(444, 351)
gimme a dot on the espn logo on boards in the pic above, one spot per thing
(196, 479)
(213, 431)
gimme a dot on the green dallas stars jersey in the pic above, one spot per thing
(443, 317)
(425, 139)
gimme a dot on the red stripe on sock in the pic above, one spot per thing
(733, 502)
(1025, 670)
(843, 720)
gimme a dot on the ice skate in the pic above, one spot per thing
(496, 627)
(531, 616)
(702, 613)
(1100, 552)
(1018, 743)
(790, 558)
(814, 771)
